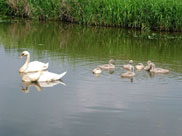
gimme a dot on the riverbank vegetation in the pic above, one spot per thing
(160, 15)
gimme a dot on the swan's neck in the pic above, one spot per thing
(38, 87)
(24, 67)
(152, 68)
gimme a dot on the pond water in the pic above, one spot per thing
(108, 105)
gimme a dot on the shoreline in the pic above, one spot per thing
(144, 15)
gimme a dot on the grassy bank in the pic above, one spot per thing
(161, 15)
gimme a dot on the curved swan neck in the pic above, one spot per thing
(26, 62)
(28, 59)
(38, 87)
(24, 67)
(152, 68)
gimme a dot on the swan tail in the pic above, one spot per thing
(61, 75)
(47, 65)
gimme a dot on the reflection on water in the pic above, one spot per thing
(89, 105)
(39, 85)
(98, 43)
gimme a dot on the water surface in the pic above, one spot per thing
(88, 105)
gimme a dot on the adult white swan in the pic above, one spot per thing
(41, 76)
(32, 66)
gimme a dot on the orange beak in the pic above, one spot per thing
(22, 55)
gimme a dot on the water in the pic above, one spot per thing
(107, 105)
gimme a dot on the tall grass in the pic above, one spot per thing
(161, 15)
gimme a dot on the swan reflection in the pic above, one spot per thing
(39, 85)
(41, 76)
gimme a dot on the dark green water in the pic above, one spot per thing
(89, 106)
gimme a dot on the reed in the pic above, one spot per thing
(160, 15)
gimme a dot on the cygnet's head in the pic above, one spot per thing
(148, 62)
(111, 61)
(152, 65)
(131, 62)
(97, 70)
(140, 63)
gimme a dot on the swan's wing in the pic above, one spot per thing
(161, 70)
(147, 68)
(61, 75)
(49, 76)
(34, 76)
(36, 66)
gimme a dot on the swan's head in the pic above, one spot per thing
(25, 90)
(24, 53)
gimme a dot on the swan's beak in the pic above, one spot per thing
(22, 55)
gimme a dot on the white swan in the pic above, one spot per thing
(42, 76)
(32, 66)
